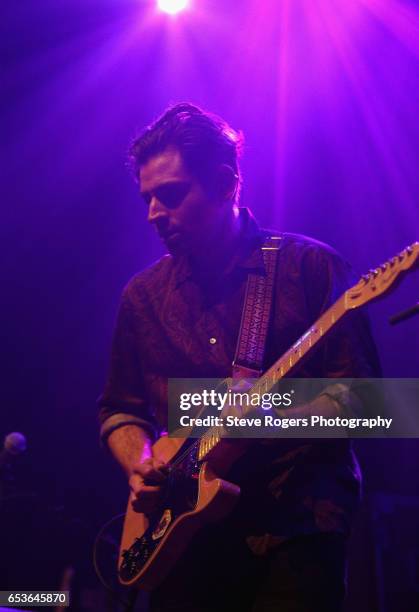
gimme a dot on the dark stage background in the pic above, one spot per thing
(327, 95)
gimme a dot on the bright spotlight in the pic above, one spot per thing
(172, 6)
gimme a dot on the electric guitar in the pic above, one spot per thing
(193, 492)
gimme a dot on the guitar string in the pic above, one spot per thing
(185, 453)
(189, 450)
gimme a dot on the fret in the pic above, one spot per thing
(281, 367)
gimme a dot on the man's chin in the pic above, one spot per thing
(175, 245)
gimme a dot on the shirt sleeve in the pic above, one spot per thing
(124, 400)
(349, 351)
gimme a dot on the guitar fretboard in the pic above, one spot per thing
(284, 366)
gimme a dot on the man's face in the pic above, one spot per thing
(184, 214)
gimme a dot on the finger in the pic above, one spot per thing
(148, 491)
(136, 482)
(146, 500)
(151, 468)
(154, 476)
(161, 465)
(140, 466)
(144, 470)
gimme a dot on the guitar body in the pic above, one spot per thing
(193, 496)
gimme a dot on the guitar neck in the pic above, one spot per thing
(301, 349)
(371, 286)
(284, 366)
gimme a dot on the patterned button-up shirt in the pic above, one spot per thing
(173, 325)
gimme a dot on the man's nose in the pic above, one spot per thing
(157, 213)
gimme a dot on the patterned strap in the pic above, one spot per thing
(256, 314)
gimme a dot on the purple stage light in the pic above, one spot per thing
(172, 6)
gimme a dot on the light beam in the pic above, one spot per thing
(172, 7)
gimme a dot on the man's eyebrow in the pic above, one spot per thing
(170, 183)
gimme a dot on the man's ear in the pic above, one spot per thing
(227, 183)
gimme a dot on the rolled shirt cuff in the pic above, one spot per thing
(120, 419)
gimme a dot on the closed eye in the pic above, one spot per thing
(170, 195)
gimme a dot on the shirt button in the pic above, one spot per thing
(213, 340)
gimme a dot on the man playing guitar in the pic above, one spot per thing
(283, 547)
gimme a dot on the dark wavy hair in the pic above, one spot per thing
(204, 140)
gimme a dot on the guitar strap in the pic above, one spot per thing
(256, 314)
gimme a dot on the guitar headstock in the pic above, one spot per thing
(377, 282)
